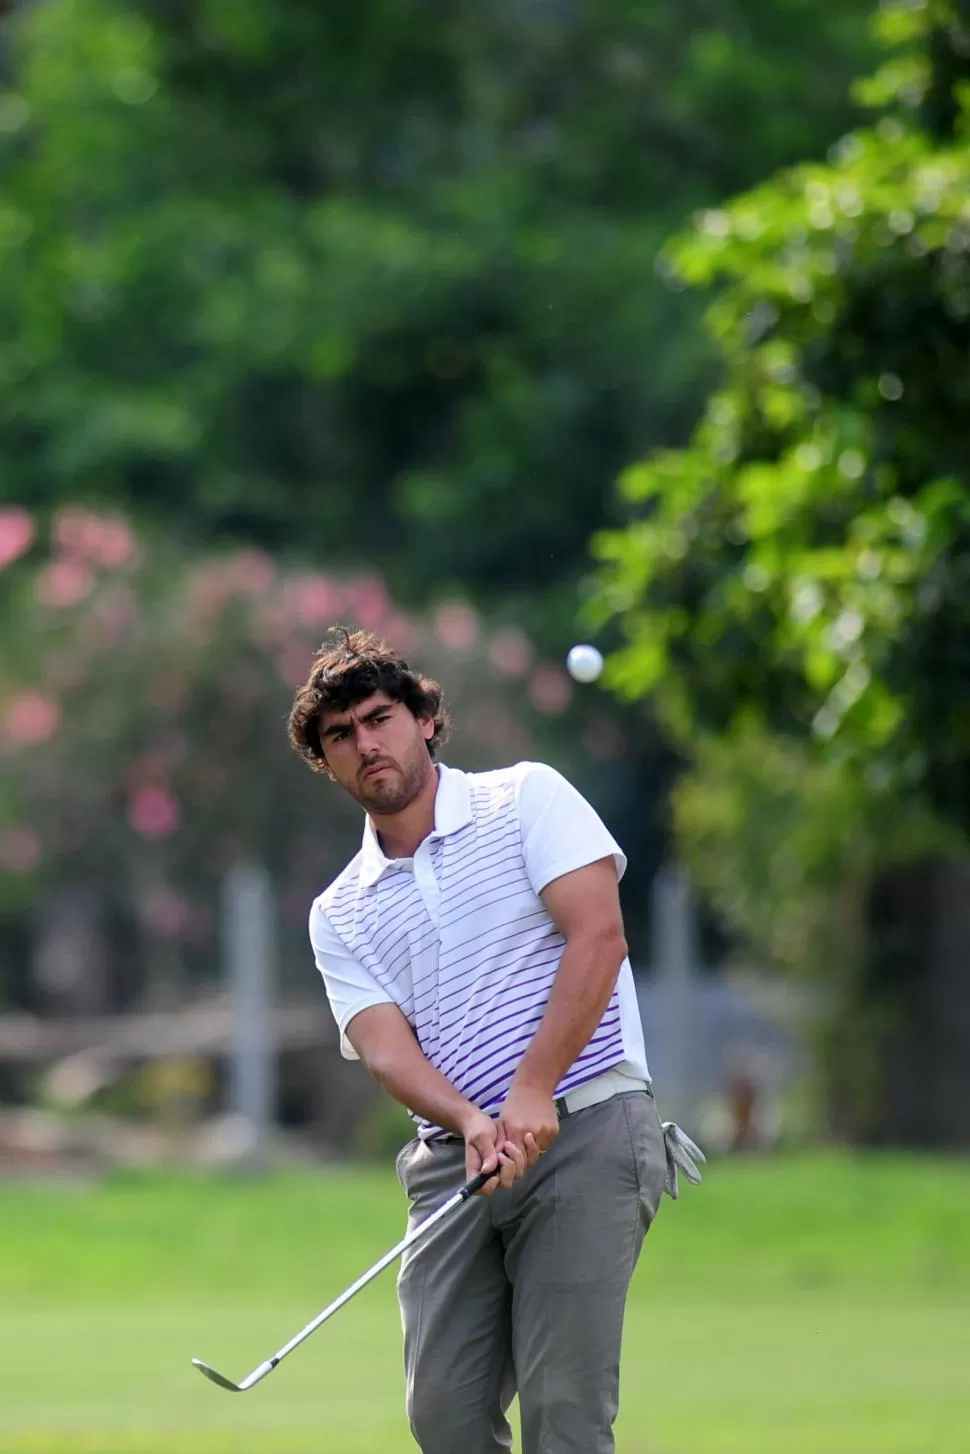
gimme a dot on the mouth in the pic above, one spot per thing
(375, 771)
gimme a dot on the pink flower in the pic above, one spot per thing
(269, 625)
(19, 850)
(167, 913)
(251, 572)
(293, 663)
(314, 600)
(456, 625)
(113, 543)
(64, 583)
(491, 723)
(153, 812)
(401, 632)
(31, 718)
(208, 593)
(98, 539)
(369, 602)
(168, 692)
(115, 612)
(605, 739)
(69, 528)
(511, 653)
(16, 533)
(550, 690)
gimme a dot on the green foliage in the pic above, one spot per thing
(784, 841)
(772, 835)
(793, 588)
(371, 280)
(806, 561)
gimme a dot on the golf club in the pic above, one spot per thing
(468, 1190)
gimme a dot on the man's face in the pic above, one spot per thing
(378, 752)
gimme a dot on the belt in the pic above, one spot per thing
(611, 1083)
(603, 1088)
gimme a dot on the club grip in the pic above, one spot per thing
(476, 1183)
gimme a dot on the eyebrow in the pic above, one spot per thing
(336, 727)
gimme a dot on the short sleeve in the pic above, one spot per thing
(561, 831)
(350, 987)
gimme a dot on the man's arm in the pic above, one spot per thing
(585, 907)
(388, 1046)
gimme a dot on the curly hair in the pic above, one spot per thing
(348, 669)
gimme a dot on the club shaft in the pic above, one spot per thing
(413, 1236)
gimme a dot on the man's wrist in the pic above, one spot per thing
(535, 1080)
(465, 1117)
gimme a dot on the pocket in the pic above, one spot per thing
(400, 1159)
(650, 1155)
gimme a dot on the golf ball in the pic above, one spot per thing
(584, 663)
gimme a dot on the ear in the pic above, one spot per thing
(427, 727)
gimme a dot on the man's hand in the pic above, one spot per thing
(529, 1121)
(487, 1149)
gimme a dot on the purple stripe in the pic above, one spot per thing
(609, 1022)
(389, 917)
(455, 865)
(498, 942)
(515, 936)
(412, 913)
(483, 850)
(486, 1069)
(412, 939)
(455, 991)
(607, 1027)
(483, 837)
(356, 894)
(590, 1070)
(491, 1085)
(390, 981)
(541, 991)
(488, 897)
(480, 1094)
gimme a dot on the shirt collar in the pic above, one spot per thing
(452, 810)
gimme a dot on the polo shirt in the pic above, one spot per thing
(458, 938)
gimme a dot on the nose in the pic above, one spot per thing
(367, 741)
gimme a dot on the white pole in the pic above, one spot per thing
(250, 959)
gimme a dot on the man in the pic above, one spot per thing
(474, 959)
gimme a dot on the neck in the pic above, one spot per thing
(399, 834)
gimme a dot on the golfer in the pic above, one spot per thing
(474, 959)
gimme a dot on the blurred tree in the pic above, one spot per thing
(375, 279)
(803, 568)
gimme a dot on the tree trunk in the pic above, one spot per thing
(70, 966)
(918, 982)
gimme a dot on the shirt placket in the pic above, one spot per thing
(426, 869)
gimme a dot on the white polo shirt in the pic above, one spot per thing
(458, 938)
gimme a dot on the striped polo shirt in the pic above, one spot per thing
(458, 938)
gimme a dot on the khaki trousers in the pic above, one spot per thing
(524, 1292)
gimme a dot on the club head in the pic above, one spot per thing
(215, 1377)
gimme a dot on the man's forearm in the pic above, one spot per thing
(398, 1063)
(580, 993)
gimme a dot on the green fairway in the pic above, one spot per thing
(789, 1306)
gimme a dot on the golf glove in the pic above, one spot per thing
(682, 1153)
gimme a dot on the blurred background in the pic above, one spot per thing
(491, 329)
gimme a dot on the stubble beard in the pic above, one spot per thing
(397, 788)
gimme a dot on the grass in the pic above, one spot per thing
(790, 1306)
